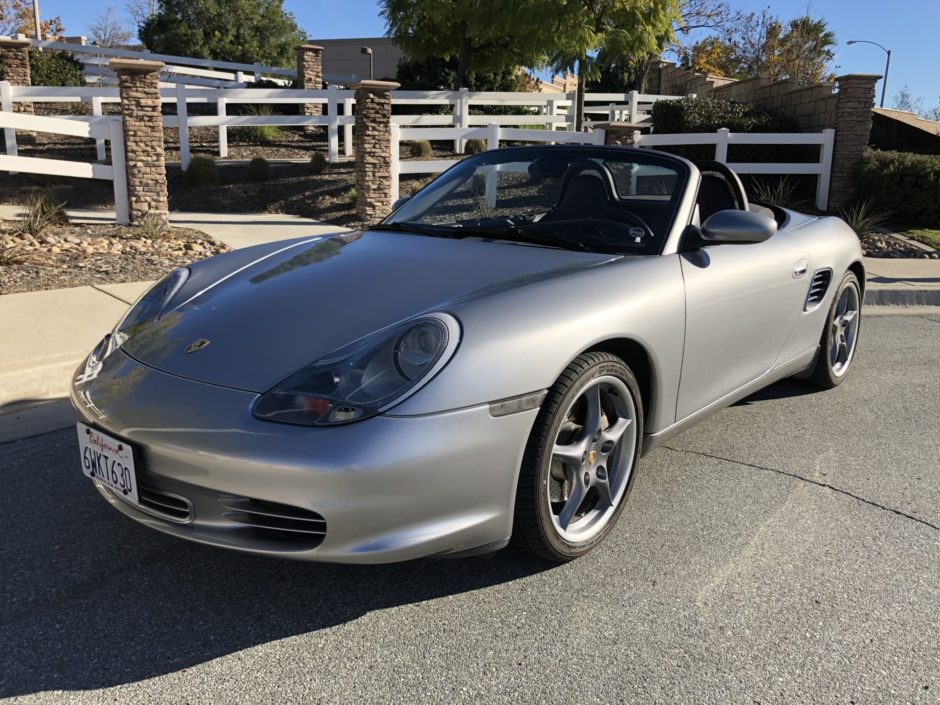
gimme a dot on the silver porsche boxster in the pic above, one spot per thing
(487, 364)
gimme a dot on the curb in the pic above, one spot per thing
(901, 296)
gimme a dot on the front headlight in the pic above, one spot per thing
(365, 378)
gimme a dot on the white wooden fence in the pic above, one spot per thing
(492, 133)
(723, 139)
(105, 129)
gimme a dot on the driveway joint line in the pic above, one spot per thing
(104, 291)
(824, 485)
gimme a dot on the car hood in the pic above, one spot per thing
(279, 308)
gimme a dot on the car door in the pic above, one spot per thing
(741, 304)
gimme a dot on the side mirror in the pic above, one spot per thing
(400, 202)
(733, 227)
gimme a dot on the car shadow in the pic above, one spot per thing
(93, 600)
(784, 389)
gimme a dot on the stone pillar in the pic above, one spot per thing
(373, 149)
(310, 76)
(143, 137)
(14, 65)
(855, 100)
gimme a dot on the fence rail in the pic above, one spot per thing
(723, 138)
(492, 133)
(104, 128)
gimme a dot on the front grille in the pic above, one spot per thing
(276, 521)
(818, 288)
(166, 504)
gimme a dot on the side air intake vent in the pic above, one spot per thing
(818, 288)
(275, 521)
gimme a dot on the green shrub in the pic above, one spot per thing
(778, 192)
(39, 212)
(352, 195)
(902, 182)
(259, 133)
(154, 226)
(259, 169)
(202, 172)
(318, 163)
(53, 68)
(475, 146)
(421, 149)
(864, 217)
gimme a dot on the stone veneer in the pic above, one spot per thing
(853, 126)
(139, 82)
(373, 144)
(14, 64)
(310, 76)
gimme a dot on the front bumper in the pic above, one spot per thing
(388, 488)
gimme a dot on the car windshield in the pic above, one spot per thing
(598, 199)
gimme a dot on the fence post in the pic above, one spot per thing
(634, 107)
(6, 102)
(182, 117)
(347, 129)
(373, 148)
(14, 65)
(119, 167)
(571, 113)
(142, 122)
(721, 146)
(220, 109)
(825, 162)
(99, 141)
(396, 166)
(310, 77)
(461, 117)
(257, 66)
(599, 137)
(332, 129)
(637, 138)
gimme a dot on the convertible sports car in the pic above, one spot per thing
(489, 363)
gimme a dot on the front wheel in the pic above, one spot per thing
(579, 463)
(840, 336)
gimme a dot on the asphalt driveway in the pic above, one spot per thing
(785, 551)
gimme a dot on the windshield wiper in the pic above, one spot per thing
(515, 234)
(417, 228)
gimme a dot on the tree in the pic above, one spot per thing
(481, 35)
(141, 10)
(696, 16)
(247, 31)
(905, 100)
(107, 30)
(760, 44)
(16, 17)
(441, 74)
(586, 29)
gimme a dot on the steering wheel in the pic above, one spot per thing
(629, 218)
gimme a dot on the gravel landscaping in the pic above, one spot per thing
(69, 255)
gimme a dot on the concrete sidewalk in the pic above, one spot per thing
(46, 334)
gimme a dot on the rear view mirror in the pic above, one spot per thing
(734, 227)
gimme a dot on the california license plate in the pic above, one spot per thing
(108, 460)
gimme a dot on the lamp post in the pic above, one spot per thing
(368, 50)
(884, 85)
(36, 19)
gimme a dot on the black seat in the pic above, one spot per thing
(714, 194)
(585, 189)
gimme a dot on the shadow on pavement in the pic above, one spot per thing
(784, 389)
(91, 599)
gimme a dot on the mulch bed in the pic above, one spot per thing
(69, 255)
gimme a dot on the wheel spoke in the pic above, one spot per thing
(570, 454)
(615, 431)
(848, 317)
(603, 491)
(573, 503)
(593, 413)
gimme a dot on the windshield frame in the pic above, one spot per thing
(684, 169)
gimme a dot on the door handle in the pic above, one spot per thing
(800, 269)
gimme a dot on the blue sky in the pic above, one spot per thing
(909, 28)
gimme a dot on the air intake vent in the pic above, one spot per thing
(818, 288)
(275, 520)
(165, 504)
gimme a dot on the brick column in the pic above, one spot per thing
(855, 99)
(14, 65)
(143, 137)
(310, 76)
(373, 148)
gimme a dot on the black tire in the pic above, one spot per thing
(824, 375)
(533, 528)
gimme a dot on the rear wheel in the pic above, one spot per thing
(840, 336)
(579, 463)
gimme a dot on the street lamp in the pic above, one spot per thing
(36, 19)
(368, 50)
(884, 85)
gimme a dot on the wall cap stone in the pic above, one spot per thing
(15, 43)
(373, 85)
(867, 76)
(312, 47)
(136, 65)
